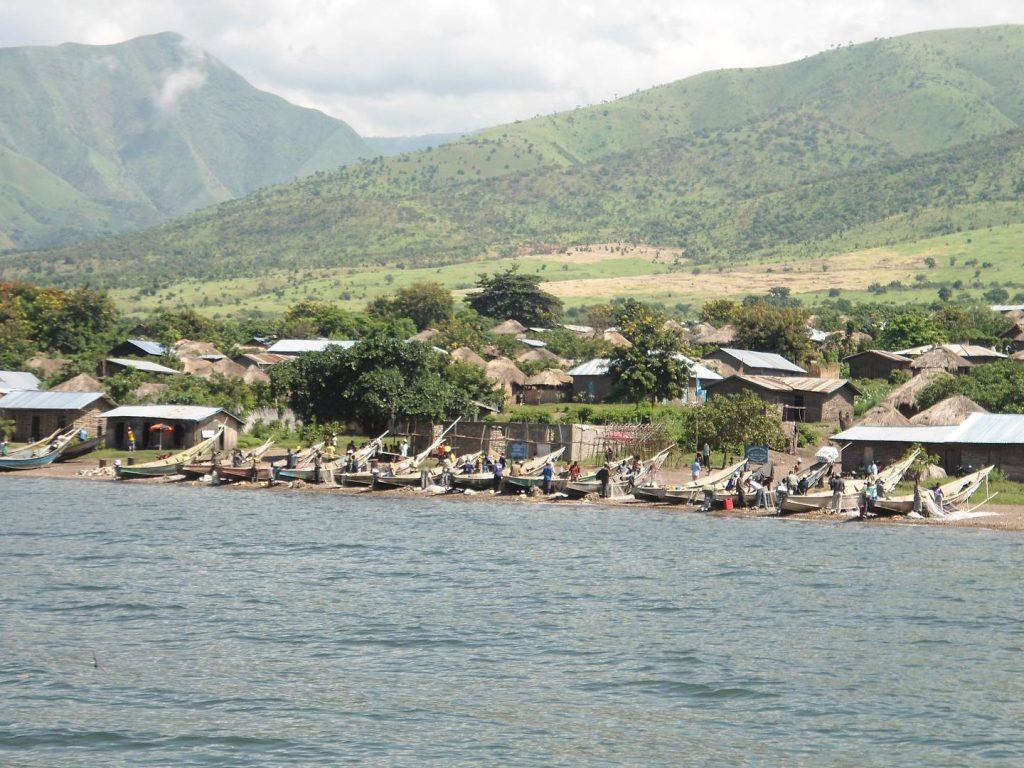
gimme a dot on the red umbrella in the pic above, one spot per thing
(161, 428)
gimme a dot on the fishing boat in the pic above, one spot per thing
(955, 493)
(80, 449)
(693, 491)
(621, 486)
(409, 474)
(203, 468)
(887, 479)
(252, 469)
(530, 475)
(361, 458)
(171, 465)
(38, 454)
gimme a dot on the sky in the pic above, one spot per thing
(413, 67)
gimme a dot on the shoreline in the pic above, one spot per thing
(995, 517)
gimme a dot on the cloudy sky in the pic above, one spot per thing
(409, 67)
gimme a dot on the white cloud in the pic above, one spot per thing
(189, 77)
(393, 67)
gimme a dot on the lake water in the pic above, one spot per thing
(165, 625)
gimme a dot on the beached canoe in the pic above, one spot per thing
(955, 493)
(38, 454)
(171, 465)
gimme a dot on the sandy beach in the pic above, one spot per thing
(992, 516)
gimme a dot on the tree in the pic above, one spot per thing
(519, 297)
(766, 328)
(379, 379)
(653, 368)
(718, 311)
(910, 329)
(317, 318)
(427, 303)
(997, 387)
(738, 420)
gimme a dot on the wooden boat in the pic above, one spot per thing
(411, 475)
(955, 493)
(693, 491)
(38, 454)
(361, 457)
(171, 465)
(254, 473)
(851, 498)
(80, 449)
(530, 475)
(558, 484)
(618, 487)
(203, 468)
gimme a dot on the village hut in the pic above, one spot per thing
(424, 335)
(616, 339)
(673, 326)
(48, 366)
(186, 426)
(875, 364)
(1014, 335)
(541, 355)
(186, 349)
(951, 411)
(510, 327)
(904, 397)
(467, 355)
(707, 334)
(83, 382)
(204, 369)
(37, 414)
(261, 360)
(149, 391)
(884, 415)
(15, 381)
(549, 386)
(507, 376)
(942, 359)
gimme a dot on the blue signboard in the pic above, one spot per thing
(517, 451)
(756, 454)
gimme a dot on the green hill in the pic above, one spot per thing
(885, 142)
(97, 140)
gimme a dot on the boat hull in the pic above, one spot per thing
(244, 474)
(133, 473)
(32, 462)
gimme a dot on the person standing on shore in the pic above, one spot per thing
(4, 450)
(499, 471)
(695, 468)
(706, 456)
(131, 440)
(547, 475)
(603, 476)
(838, 486)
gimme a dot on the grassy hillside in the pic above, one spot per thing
(866, 146)
(107, 139)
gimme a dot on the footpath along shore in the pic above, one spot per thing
(992, 516)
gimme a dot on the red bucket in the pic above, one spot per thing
(728, 503)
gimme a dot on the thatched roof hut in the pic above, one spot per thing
(186, 348)
(616, 339)
(467, 355)
(204, 369)
(424, 336)
(540, 355)
(883, 415)
(512, 327)
(904, 397)
(942, 359)
(506, 375)
(83, 382)
(552, 377)
(705, 333)
(951, 411)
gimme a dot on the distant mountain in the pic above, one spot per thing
(884, 142)
(400, 145)
(98, 140)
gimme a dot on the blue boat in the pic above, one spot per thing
(38, 454)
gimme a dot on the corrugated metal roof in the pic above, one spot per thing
(149, 347)
(578, 328)
(794, 383)
(599, 367)
(972, 350)
(978, 429)
(867, 434)
(168, 412)
(11, 380)
(884, 353)
(535, 343)
(298, 346)
(752, 359)
(596, 367)
(49, 401)
(142, 365)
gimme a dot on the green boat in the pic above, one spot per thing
(172, 465)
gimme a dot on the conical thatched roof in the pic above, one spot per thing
(616, 339)
(949, 412)
(424, 336)
(883, 415)
(186, 348)
(540, 355)
(204, 369)
(552, 377)
(467, 355)
(513, 327)
(503, 371)
(942, 359)
(673, 326)
(904, 396)
(708, 334)
(83, 382)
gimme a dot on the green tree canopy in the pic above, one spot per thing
(913, 328)
(734, 421)
(718, 311)
(427, 303)
(510, 295)
(767, 328)
(997, 387)
(380, 378)
(652, 368)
